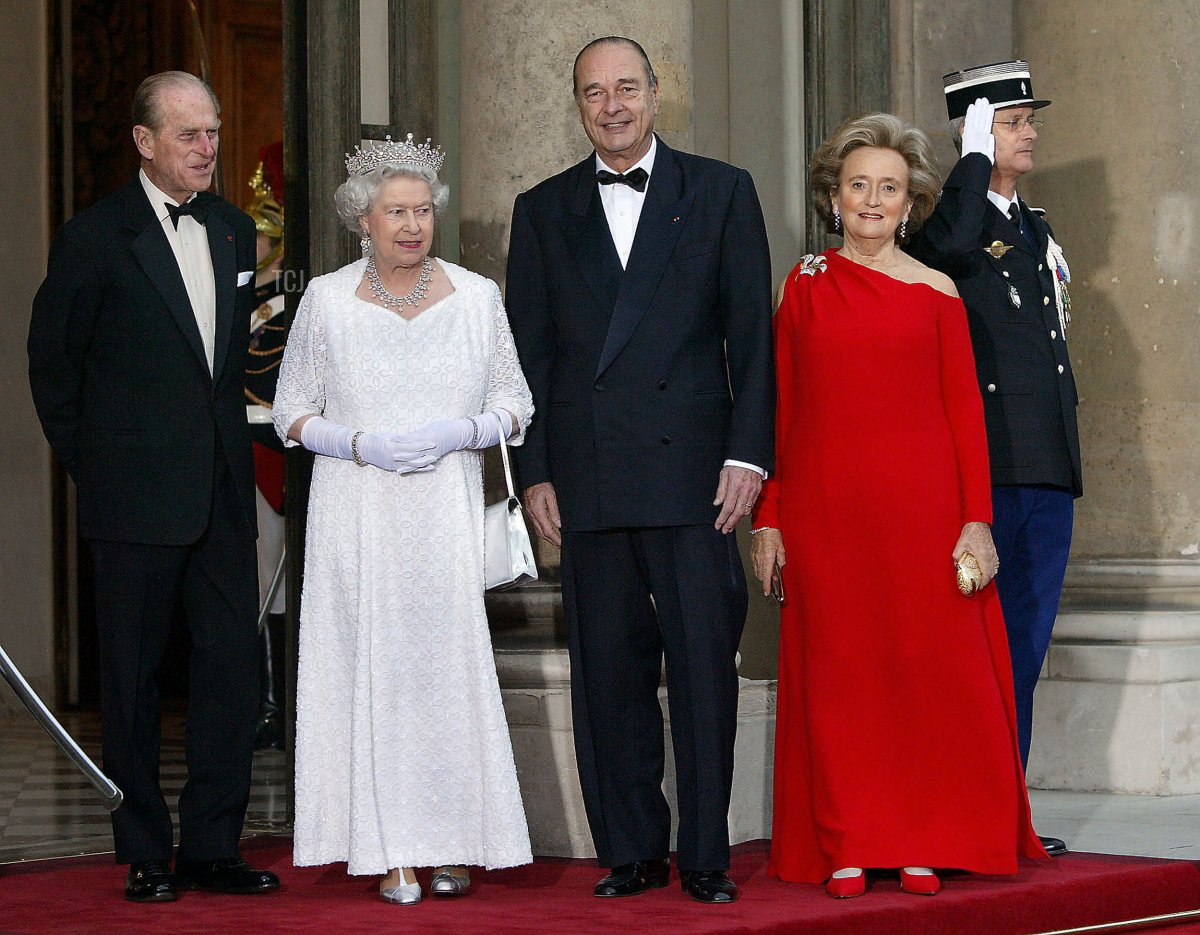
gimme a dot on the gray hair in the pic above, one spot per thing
(651, 77)
(956, 130)
(356, 195)
(146, 110)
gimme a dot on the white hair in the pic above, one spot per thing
(356, 195)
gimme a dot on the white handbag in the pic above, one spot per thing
(507, 551)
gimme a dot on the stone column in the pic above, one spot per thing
(931, 38)
(517, 117)
(1116, 172)
(518, 125)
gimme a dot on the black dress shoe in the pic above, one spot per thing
(150, 881)
(709, 886)
(1054, 846)
(634, 878)
(224, 875)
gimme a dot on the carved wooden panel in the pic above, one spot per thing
(113, 45)
(245, 44)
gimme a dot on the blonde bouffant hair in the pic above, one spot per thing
(884, 131)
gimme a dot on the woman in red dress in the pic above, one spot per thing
(896, 738)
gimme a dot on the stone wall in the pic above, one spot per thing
(1116, 708)
(1116, 172)
(26, 586)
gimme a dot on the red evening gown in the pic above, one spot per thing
(896, 739)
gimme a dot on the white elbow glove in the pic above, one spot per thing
(424, 446)
(337, 441)
(977, 129)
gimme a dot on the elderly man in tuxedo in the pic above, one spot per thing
(1013, 278)
(640, 299)
(137, 350)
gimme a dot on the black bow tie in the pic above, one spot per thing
(197, 211)
(636, 179)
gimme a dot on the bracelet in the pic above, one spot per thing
(756, 531)
(354, 449)
(474, 442)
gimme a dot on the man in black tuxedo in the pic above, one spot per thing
(640, 298)
(1013, 279)
(137, 352)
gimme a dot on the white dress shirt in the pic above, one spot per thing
(622, 210)
(623, 205)
(189, 243)
(1001, 202)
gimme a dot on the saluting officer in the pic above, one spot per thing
(1013, 279)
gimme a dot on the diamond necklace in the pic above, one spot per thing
(397, 302)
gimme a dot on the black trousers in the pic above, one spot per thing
(630, 596)
(138, 587)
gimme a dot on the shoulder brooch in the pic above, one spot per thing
(811, 265)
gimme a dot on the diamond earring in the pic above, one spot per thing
(837, 219)
(365, 243)
(904, 227)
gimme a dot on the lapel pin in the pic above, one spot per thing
(997, 249)
(229, 236)
(675, 219)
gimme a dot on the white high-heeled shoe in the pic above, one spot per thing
(402, 894)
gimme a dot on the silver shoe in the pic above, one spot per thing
(445, 883)
(404, 894)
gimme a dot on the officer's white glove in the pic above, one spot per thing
(977, 129)
(323, 437)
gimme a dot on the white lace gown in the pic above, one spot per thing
(403, 757)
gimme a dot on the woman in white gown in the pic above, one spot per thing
(399, 368)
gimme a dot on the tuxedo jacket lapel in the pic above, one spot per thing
(222, 248)
(663, 217)
(589, 238)
(158, 262)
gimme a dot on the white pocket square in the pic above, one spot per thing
(244, 278)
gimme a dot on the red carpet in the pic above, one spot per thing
(83, 896)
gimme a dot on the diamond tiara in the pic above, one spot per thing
(390, 152)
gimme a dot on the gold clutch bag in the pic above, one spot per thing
(970, 578)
